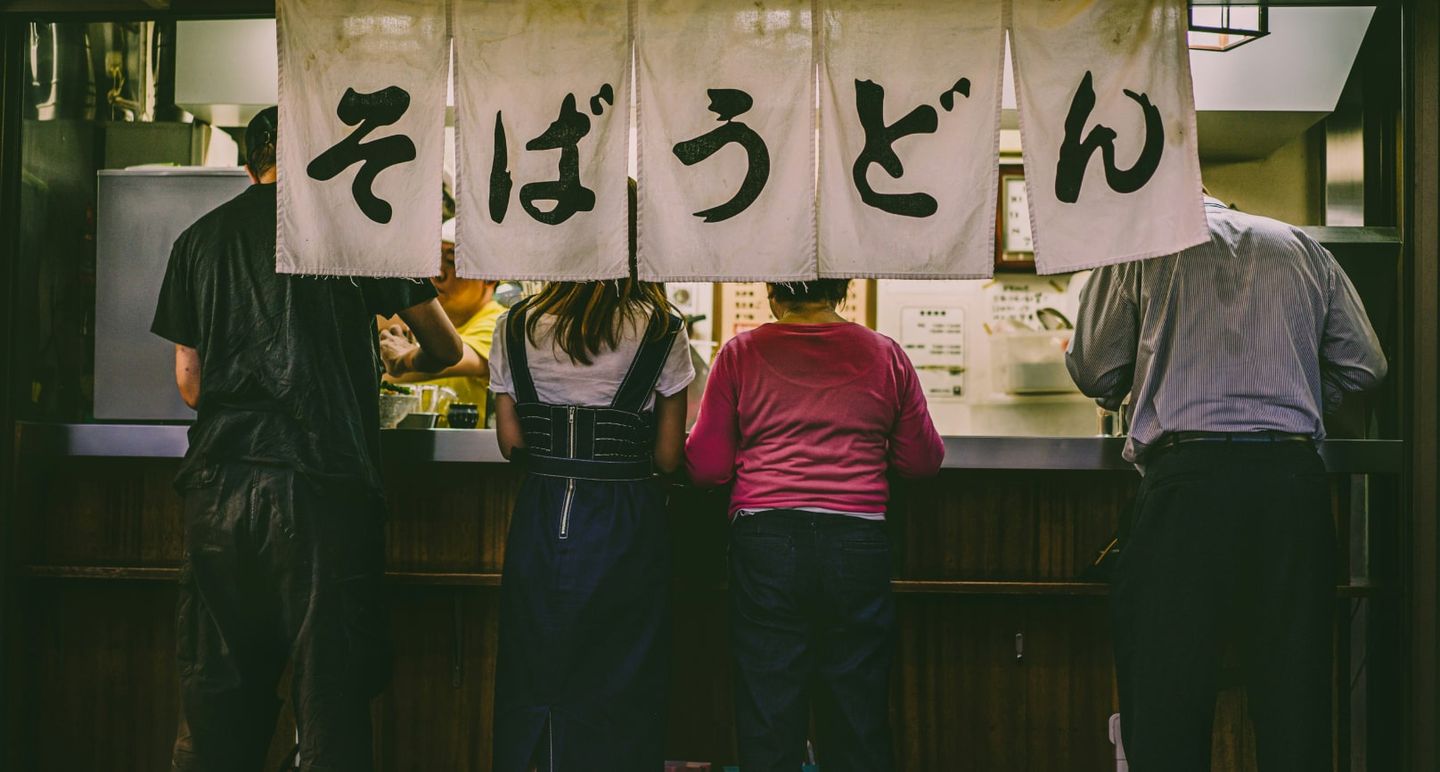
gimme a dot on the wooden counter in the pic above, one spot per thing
(1003, 661)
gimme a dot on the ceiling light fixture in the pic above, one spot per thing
(1226, 26)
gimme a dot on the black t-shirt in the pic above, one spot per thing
(289, 365)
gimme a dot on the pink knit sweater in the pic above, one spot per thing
(812, 415)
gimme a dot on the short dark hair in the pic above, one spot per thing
(260, 137)
(815, 290)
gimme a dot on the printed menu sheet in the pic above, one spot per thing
(934, 337)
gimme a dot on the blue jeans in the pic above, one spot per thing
(812, 624)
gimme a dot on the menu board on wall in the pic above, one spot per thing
(742, 307)
(1018, 302)
(934, 338)
(1017, 243)
(745, 306)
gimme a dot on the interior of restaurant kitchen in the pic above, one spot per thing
(123, 122)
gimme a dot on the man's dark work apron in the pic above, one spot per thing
(584, 617)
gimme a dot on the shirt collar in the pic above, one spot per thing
(1213, 201)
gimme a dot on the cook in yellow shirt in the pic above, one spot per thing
(471, 306)
(477, 333)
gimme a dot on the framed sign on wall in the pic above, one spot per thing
(1014, 247)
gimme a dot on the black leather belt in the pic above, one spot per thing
(587, 469)
(1171, 439)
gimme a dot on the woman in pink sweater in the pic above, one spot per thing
(805, 417)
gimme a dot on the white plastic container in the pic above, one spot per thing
(1031, 362)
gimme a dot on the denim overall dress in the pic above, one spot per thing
(584, 603)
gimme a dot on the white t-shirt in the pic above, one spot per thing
(559, 381)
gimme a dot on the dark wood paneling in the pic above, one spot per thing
(1010, 525)
(14, 43)
(437, 712)
(96, 679)
(958, 698)
(1069, 685)
(101, 539)
(98, 676)
(1421, 220)
(449, 517)
(117, 512)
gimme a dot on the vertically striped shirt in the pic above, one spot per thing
(1257, 330)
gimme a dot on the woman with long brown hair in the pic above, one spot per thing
(590, 391)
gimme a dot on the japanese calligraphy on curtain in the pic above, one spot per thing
(362, 117)
(1107, 122)
(773, 140)
(543, 125)
(909, 133)
(726, 139)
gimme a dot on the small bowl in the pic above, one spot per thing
(463, 415)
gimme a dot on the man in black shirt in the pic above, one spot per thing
(284, 512)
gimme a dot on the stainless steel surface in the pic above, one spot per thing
(477, 446)
(60, 73)
(138, 217)
(418, 421)
(134, 144)
(1345, 165)
(226, 69)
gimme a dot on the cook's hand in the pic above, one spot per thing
(400, 330)
(395, 352)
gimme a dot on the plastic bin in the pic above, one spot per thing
(1032, 362)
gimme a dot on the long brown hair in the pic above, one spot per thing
(591, 316)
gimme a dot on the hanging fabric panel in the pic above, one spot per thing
(542, 128)
(361, 136)
(726, 140)
(1107, 121)
(909, 136)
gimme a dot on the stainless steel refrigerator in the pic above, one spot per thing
(140, 213)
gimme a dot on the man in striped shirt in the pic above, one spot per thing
(1231, 353)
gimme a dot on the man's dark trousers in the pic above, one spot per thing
(1232, 543)
(812, 624)
(280, 569)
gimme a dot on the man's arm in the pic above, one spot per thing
(471, 364)
(1101, 358)
(187, 374)
(175, 321)
(438, 346)
(1350, 355)
(507, 425)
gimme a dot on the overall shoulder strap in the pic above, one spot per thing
(516, 356)
(649, 361)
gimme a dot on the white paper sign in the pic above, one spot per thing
(726, 109)
(909, 136)
(1107, 122)
(361, 136)
(542, 128)
(934, 338)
